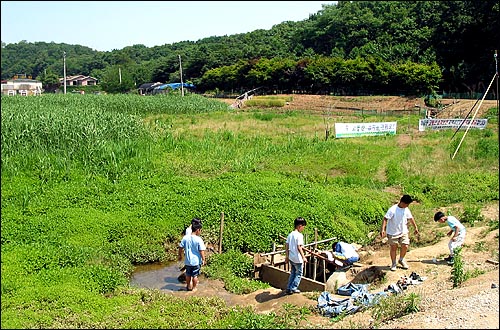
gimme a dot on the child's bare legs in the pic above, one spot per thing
(195, 283)
(402, 252)
(189, 285)
(394, 249)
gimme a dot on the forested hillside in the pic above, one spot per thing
(352, 47)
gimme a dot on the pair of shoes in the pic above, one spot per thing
(448, 258)
(414, 276)
(403, 264)
(402, 285)
(393, 267)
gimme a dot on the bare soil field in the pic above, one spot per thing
(452, 108)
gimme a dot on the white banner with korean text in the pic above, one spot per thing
(434, 123)
(345, 130)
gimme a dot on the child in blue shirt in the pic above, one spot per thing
(345, 251)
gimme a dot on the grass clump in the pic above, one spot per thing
(395, 306)
(235, 270)
(458, 272)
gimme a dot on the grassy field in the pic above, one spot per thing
(95, 184)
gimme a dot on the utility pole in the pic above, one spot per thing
(498, 98)
(120, 74)
(64, 69)
(180, 69)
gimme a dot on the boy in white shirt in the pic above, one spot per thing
(457, 232)
(295, 255)
(395, 227)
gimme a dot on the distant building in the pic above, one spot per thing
(147, 88)
(79, 80)
(21, 86)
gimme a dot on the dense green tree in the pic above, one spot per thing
(117, 79)
(50, 81)
(378, 38)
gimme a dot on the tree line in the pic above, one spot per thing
(351, 47)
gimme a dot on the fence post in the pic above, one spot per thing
(272, 256)
(315, 248)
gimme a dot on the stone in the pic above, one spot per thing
(336, 280)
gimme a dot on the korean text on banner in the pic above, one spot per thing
(433, 123)
(344, 130)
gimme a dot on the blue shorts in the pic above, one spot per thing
(193, 271)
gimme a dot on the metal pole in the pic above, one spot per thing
(474, 116)
(496, 73)
(64, 69)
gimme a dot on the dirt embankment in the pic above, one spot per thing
(452, 108)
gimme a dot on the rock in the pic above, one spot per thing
(336, 280)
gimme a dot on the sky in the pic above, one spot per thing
(108, 25)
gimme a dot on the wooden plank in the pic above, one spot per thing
(310, 244)
(278, 278)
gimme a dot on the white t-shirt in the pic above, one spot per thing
(293, 240)
(397, 220)
(453, 223)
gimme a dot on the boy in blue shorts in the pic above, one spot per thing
(194, 255)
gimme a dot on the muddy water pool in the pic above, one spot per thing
(157, 276)
(163, 277)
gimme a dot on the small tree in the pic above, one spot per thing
(50, 81)
(116, 80)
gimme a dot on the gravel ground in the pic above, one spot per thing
(474, 306)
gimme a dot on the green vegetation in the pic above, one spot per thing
(346, 48)
(395, 306)
(235, 269)
(459, 273)
(93, 185)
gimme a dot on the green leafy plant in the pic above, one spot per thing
(412, 301)
(395, 306)
(458, 274)
(235, 269)
(479, 246)
(471, 215)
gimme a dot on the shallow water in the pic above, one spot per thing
(157, 276)
(163, 277)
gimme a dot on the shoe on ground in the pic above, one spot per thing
(393, 267)
(296, 291)
(403, 264)
(448, 258)
(450, 262)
